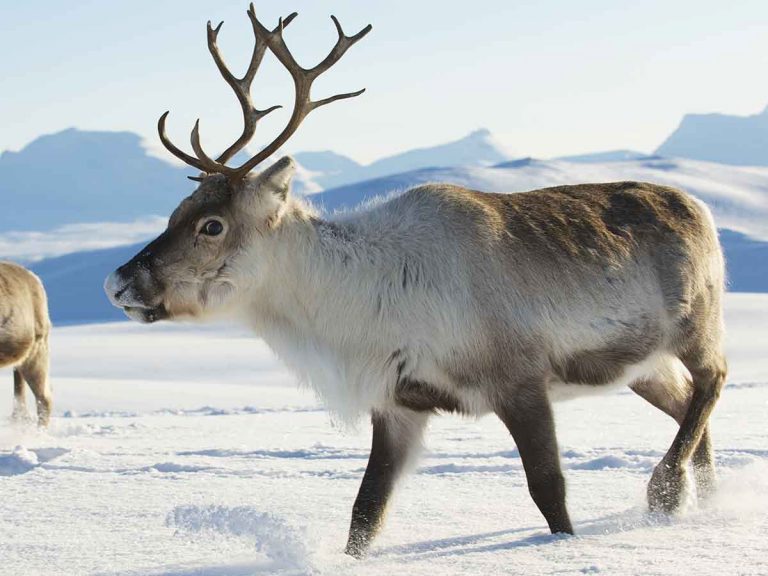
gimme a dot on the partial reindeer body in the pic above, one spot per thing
(454, 300)
(24, 329)
(453, 289)
(448, 299)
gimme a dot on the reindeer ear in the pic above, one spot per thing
(278, 177)
(264, 195)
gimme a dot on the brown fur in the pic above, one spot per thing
(24, 330)
(421, 397)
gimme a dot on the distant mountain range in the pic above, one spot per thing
(75, 177)
(739, 140)
(330, 170)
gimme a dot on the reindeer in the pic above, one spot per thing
(24, 329)
(446, 299)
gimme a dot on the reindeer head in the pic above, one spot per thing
(210, 251)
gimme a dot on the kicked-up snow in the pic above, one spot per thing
(180, 450)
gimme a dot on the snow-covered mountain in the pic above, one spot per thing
(479, 148)
(74, 177)
(330, 170)
(89, 177)
(739, 140)
(325, 169)
(94, 177)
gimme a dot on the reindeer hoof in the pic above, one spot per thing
(20, 416)
(667, 489)
(355, 551)
(706, 483)
(357, 546)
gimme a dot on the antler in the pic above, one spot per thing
(303, 104)
(242, 89)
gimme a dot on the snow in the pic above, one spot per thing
(180, 450)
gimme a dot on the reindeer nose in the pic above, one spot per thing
(127, 285)
(115, 286)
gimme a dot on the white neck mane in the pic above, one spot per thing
(328, 306)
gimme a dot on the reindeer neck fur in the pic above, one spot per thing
(326, 306)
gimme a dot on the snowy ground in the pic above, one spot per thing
(180, 451)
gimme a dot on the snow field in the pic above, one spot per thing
(179, 450)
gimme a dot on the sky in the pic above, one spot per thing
(547, 77)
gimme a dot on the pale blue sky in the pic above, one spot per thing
(547, 77)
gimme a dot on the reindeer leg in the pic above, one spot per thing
(667, 486)
(20, 412)
(672, 397)
(528, 417)
(35, 372)
(396, 436)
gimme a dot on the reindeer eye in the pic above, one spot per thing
(212, 228)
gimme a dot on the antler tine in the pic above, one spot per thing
(324, 101)
(303, 104)
(181, 155)
(283, 22)
(211, 166)
(343, 44)
(302, 79)
(241, 87)
(274, 39)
